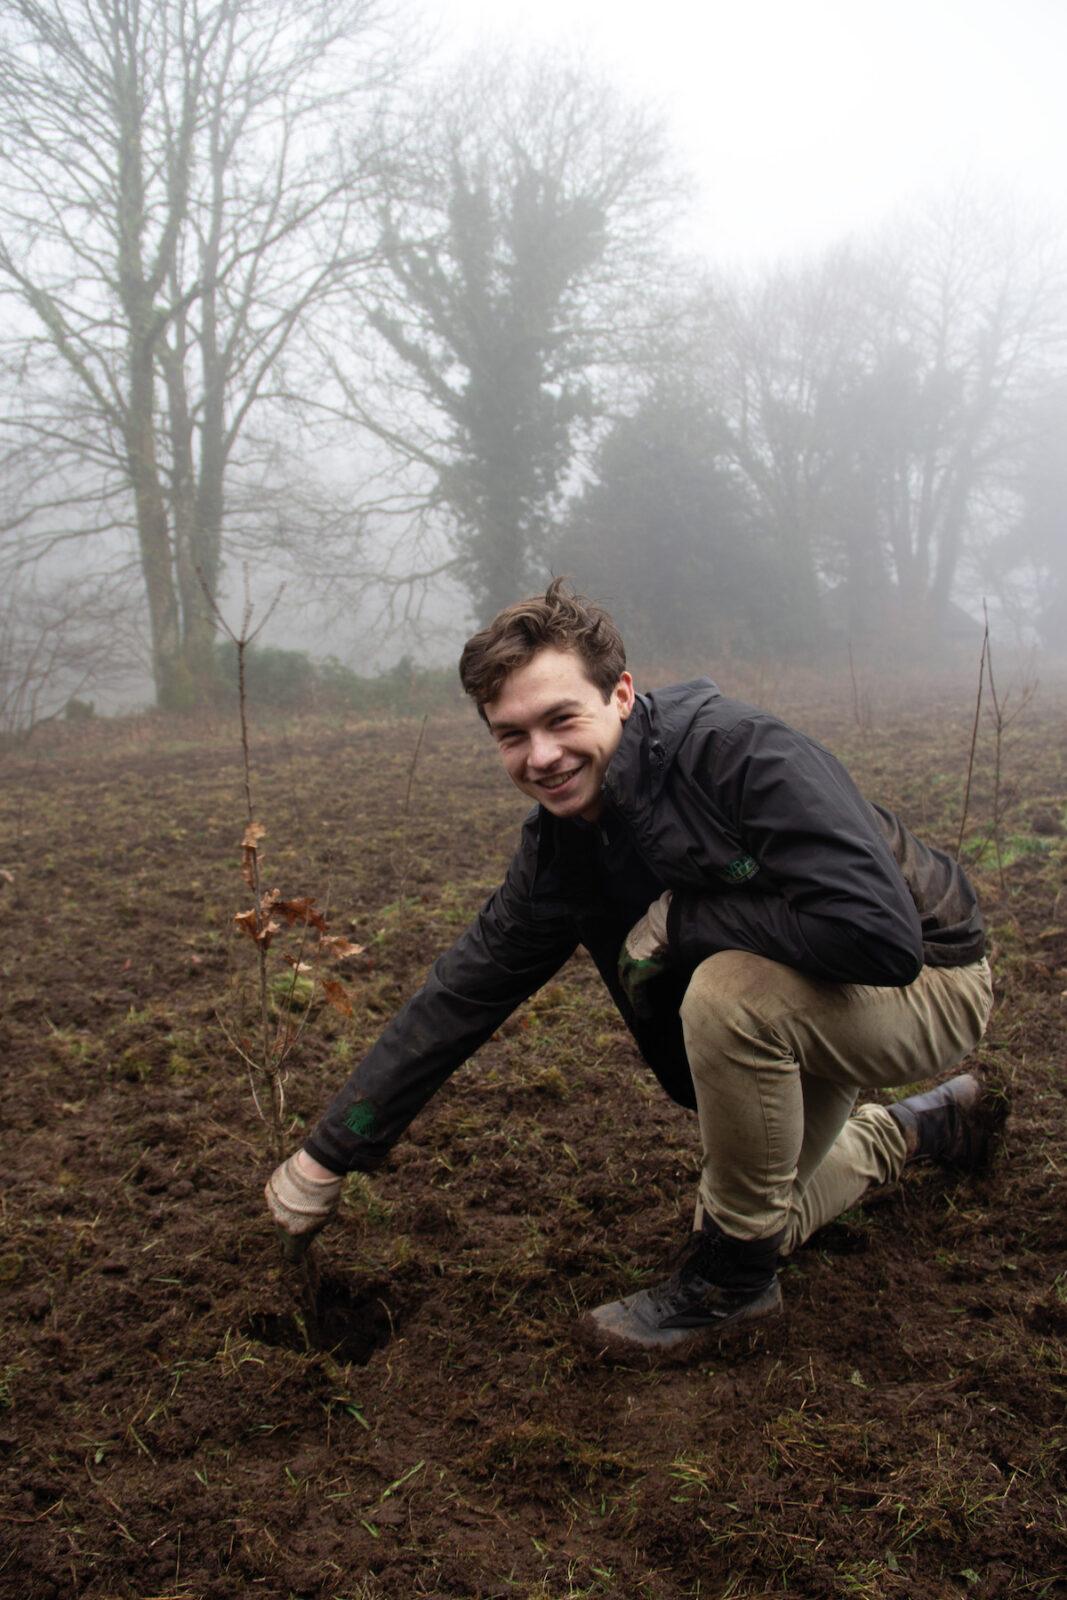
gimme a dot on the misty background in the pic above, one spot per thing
(753, 322)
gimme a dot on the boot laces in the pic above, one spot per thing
(691, 1274)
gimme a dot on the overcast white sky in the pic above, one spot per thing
(804, 119)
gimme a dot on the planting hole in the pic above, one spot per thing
(351, 1321)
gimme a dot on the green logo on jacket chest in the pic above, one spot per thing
(740, 869)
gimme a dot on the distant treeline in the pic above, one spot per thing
(292, 680)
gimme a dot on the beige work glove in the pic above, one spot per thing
(644, 955)
(300, 1205)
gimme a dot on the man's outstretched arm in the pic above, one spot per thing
(510, 950)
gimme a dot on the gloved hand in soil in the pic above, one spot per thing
(302, 1196)
(644, 955)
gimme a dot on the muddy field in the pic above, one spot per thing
(174, 1423)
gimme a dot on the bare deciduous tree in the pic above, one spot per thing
(778, 353)
(968, 332)
(181, 185)
(879, 402)
(522, 249)
(58, 641)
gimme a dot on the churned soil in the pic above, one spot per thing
(181, 1414)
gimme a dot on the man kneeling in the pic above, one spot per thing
(774, 943)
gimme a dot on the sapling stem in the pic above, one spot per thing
(270, 914)
(974, 737)
(1002, 719)
(414, 764)
(403, 854)
(269, 1065)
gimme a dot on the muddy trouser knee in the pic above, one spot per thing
(777, 1060)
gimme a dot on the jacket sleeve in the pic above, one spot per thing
(511, 949)
(825, 894)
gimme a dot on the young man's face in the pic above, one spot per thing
(556, 734)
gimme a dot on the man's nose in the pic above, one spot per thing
(544, 749)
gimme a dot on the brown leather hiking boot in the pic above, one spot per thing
(958, 1124)
(719, 1286)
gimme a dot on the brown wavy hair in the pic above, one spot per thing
(559, 620)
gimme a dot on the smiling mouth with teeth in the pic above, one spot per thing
(558, 779)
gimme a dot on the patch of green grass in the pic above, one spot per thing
(573, 1583)
(1013, 847)
(73, 1045)
(541, 1446)
(365, 1199)
(863, 1579)
(291, 992)
(902, 1091)
(133, 1065)
(11, 1265)
(943, 1502)
(551, 1082)
(694, 1477)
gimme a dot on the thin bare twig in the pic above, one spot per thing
(1003, 714)
(998, 756)
(414, 764)
(974, 736)
(235, 1044)
(861, 711)
(403, 853)
(1003, 717)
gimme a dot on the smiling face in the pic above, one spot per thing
(556, 733)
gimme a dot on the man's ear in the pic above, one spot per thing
(623, 695)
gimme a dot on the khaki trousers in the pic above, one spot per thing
(777, 1059)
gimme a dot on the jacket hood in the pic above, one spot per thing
(652, 734)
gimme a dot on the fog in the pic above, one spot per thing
(752, 319)
(804, 123)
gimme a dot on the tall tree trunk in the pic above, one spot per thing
(951, 539)
(153, 537)
(207, 532)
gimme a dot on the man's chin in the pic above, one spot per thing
(563, 809)
(569, 807)
(570, 801)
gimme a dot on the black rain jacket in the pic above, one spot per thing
(766, 845)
